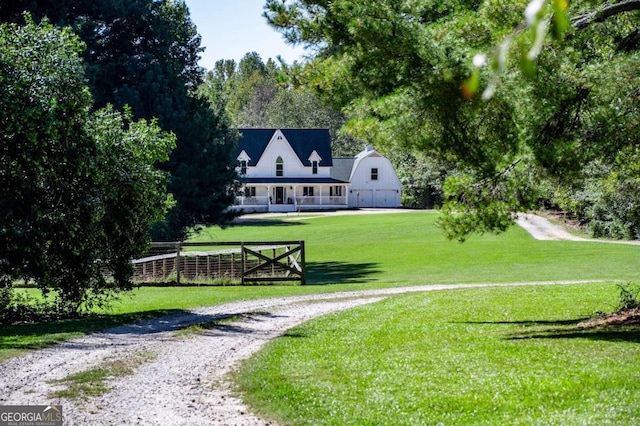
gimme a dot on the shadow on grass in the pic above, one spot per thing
(533, 323)
(323, 273)
(294, 335)
(41, 335)
(570, 329)
(608, 334)
(265, 222)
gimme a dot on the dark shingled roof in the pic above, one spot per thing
(303, 142)
(342, 167)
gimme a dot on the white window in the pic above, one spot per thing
(243, 167)
(307, 191)
(279, 167)
(314, 167)
(250, 191)
(374, 173)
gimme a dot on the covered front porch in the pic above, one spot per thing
(293, 195)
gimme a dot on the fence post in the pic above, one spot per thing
(303, 265)
(243, 261)
(179, 249)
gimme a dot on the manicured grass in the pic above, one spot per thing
(359, 252)
(408, 249)
(494, 356)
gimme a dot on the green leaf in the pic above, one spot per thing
(470, 87)
(527, 65)
(559, 23)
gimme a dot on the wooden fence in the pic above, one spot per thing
(223, 262)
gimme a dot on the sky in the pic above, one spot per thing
(231, 28)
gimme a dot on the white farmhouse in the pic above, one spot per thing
(286, 170)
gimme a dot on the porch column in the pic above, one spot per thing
(295, 197)
(346, 195)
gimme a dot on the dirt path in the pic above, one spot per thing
(542, 229)
(185, 382)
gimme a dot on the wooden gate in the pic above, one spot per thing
(240, 262)
(285, 266)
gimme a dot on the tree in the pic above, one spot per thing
(272, 95)
(422, 178)
(144, 54)
(403, 71)
(79, 189)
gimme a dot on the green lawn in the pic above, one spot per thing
(498, 356)
(408, 249)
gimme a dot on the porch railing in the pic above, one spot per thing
(321, 201)
(315, 200)
(252, 201)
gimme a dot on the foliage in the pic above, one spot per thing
(558, 92)
(273, 95)
(607, 199)
(144, 54)
(473, 204)
(615, 213)
(23, 307)
(629, 297)
(422, 178)
(203, 174)
(79, 189)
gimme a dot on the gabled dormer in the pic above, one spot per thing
(243, 162)
(315, 160)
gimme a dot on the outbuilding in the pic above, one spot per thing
(373, 181)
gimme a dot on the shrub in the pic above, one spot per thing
(629, 297)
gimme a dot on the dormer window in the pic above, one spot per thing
(279, 167)
(243, 162)
(314, 160)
